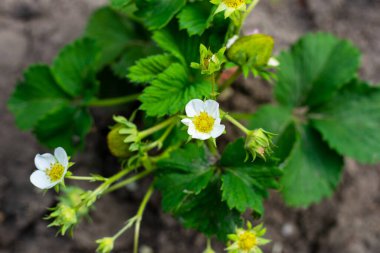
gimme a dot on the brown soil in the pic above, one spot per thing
(33, 31)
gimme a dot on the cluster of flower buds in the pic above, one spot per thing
(69, 210)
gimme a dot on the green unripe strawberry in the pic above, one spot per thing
(116, 144)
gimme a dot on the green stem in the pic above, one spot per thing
(230, 80)
(247, 12)
(155, 128)
(160, 142)
(128, 181)
(236, 123)
(213, 94)
(139, 215)
(103, 187)
(113, 101)
(93, 179)
(129, 224)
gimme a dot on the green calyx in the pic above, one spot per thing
(209, 62)
(259, 142)
(105, 245)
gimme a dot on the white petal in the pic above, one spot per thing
(186, 121)
(217, 131)
(201, 136)
(41, 180)
(194, 107)
(191, 130)
(212, 108)
(44, 161)
(273, 62)
(61, 156)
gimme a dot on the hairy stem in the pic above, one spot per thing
(236, 123)
(156, 128)
(139, 215)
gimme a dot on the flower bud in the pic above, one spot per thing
(105, 245)
(259, 142)
(64, 217)
(209, 62)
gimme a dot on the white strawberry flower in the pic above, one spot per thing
(51, 169)
(203, 119)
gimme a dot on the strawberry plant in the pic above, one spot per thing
(166, 63)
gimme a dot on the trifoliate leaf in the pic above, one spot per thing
(191, 191)
(314, 69)
(112, 33)
(65, 127)
(195, 17)
(350, 122)
(278, 120)
(74, 68)
(157, 13)
(148, 68)
(36, 96)
(245, 183)
(170, 92)
(312, 170)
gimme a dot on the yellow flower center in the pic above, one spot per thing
(247, 240)
(55, 172)
(233, 3)
(203, 122)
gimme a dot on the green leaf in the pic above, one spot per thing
(191, 191)
(170, 92)
(65, 127)
(74, 68)
(278, 120)
(124, 6)
(206, 213)
(36, 96)
(314, 69)
(157, 13)
(179, 44)
(350, 122)
(112, 33)
(131, 55)
(312, 171)
(195, 17)
(245, 183)
(187, 159)
(239, 193)
(148, 68)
